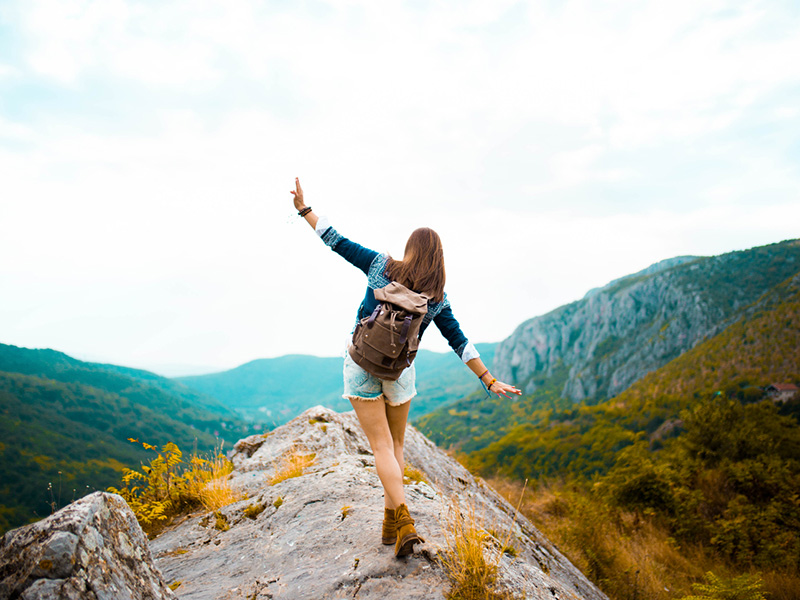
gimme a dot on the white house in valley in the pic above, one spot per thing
(781, 392)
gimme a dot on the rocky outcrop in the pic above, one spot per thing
(317, 535)
(314, 535)
(600, 345)
(92, 549)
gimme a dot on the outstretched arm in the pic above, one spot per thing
(451, 330)
(498, 387)
(353, 253)
(300, 204)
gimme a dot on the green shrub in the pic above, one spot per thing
(744, 587)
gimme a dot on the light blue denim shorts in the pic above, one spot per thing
(361, 385)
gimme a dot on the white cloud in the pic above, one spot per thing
(10, 130)
(7, 71)
(151, 200)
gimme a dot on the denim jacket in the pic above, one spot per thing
(373, 264)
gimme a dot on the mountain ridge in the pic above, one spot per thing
(631, 326)
(599, 346)
(738, 363)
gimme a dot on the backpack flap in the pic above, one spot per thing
(401, 296)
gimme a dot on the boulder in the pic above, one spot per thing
(92, 549)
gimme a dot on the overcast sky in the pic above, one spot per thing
(147, 150)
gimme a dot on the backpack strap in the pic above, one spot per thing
(374, 315)
(404, 332)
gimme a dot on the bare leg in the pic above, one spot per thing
(372, 416)
(397, 416)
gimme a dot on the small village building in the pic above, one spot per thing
(781, 392)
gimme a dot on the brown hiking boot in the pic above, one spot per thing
(406, 534)
(389, 533)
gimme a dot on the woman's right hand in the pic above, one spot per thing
(299, 203)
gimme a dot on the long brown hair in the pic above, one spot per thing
(422, 267)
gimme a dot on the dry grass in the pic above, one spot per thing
(216, 492)
(625, 554)
(782, 585)
(221, 522)
(292, 464)
(472, 576)
(411, 473)
(252, 511)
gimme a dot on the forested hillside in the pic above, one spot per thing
(613, 337)
(65, 425)
(762, 348)
(692, 465)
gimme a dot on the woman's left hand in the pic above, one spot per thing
(299, 202)
(503, 389)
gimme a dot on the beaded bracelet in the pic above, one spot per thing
(305, 211)
(491, 383)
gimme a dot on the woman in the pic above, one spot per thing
(381, 405)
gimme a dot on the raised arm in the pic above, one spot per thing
(300, 204)
(352, 252)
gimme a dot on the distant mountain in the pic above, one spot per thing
(761, 348)
(598, 346)
(66, 422)
(275, 390)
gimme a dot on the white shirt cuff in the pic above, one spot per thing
(322, 226)
(469, 353)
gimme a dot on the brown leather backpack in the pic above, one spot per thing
(386, 342)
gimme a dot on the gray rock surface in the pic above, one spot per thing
(92, 549)
(318, 535)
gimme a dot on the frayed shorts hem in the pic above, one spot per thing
(379, 397)
(364, 386)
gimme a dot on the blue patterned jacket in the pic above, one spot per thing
(373, 264)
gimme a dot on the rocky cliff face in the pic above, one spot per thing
(598, 346)
(318, 535)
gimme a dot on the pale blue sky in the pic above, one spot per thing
(147, 150)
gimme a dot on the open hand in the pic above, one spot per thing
(503, 389)
(299, 203)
